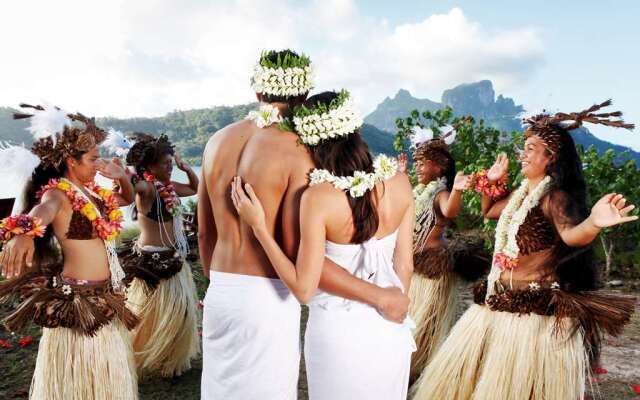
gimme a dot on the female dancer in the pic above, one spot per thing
(85, 350)
(438, 264)
(538, 314)
(161, 291)
(351, 352)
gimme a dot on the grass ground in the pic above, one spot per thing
(620, 357)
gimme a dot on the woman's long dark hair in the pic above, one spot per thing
(574, 267)
(342, 157)
(46, 251)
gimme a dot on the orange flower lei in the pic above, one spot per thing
(107, 229)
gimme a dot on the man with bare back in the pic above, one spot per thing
(251, 324)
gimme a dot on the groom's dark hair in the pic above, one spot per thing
(343, 156)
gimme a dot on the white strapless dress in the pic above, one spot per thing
(351, 351)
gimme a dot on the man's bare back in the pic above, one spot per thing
(277, 166)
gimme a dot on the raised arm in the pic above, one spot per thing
(207, 233)
(115, 170)
(19, 250)
(451, 202)
(183, 189)
(610, 210)
(490, 208)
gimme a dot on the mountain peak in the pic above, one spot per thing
(403, 94)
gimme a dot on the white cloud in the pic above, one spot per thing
(149, 57)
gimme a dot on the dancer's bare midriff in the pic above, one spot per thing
(531, 267)
(83, 259)
(276, 165)
(152, 233)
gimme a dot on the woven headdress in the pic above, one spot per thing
(59, 135)
(550, 128)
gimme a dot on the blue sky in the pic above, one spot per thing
(149, 57)
(591, 50)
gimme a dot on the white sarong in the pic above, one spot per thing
(250, 339)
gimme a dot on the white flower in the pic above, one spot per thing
(155, 256)
(555, 286)
(66, 290)
(534, 286)
(385, 167)
(318, 176)
(265, 116)
(420, 135)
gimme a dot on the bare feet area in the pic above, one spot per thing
(618, 377)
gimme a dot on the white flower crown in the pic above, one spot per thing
(384, 167)
(337, 119)
(287, 76)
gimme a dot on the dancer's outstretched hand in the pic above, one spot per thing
(112, 169)
(15, 253)
(403, 163)
(247, 204)
(610, 210)
(499, 169)
(462, 182)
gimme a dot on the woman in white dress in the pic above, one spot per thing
(359, 213)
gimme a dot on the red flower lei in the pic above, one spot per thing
(107, 229)
(166, 192)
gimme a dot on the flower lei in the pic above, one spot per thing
(107, 229)
(424, 193)
(339, 118)
(289, 76)
(20, 225)
(167, 193)
(506, 247)
(265, 116)
(384, 167)
(495, 190)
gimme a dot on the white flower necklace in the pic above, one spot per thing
(265, 116)
(384, 167)
(506, 250)
(424, 194)
(425, 215)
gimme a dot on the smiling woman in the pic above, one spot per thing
(538, 319)
(76, 298)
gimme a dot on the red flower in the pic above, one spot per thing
(600, 371)
(636, 388)
(25, 341)
(5, 344)
(200, 304)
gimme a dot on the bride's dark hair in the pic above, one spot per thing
(343, 156)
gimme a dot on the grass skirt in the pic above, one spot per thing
(166, 340)
(432, 308)
(75, 366)
(503, 355)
